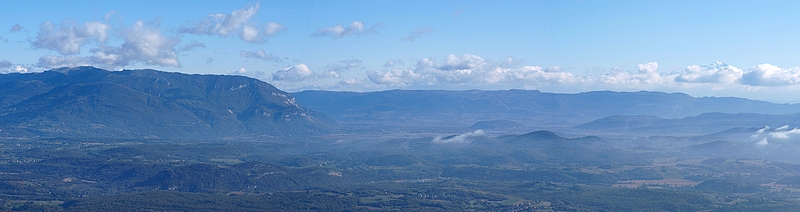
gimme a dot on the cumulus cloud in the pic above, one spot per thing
(399, 77)
(459, 139)
(237, 22)
(8, 67)
(295, 73)
(15, 69)
(222, 24)
(20, 69)
(249, 34)
(68, 37)
(647, 73)
(259, 54)
(392, 63)
(193, 45)
(417, 33)
(142, 44)
(245, 72)
(533, 74)
(770, 75)
(15, 28)
(467, 61)
(469, 69)
(355, 28)
(714, 73)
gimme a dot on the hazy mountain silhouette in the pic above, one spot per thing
(91, 102)
(528, 107)
(703, 123)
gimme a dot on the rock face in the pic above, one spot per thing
(92, 102)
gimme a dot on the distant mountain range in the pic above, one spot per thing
(91, 102)
(527, 107)
(704, 123)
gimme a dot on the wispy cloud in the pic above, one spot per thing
(15, 28)
(259, 54)
(192, 46)
(417, 33)
(355, 28)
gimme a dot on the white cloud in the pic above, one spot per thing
(249, 34)
(259, 54)
(6, 68)
(273, 28)
(760, 131)
(647, 74)
(459, 139)
(142, 44)
(770, 75)
(714, 73)
(784, 132)
(465, 62)
(68, 37)
(536, 74)
(762, 142)
(355, 28)
(222, 24)
(417, 33)
(237, 22)
(295, 73)
(245, 72)
(20, 69)
(397, 77)
(193, 45)
(97, 30)
(470, 69)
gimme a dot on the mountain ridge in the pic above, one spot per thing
(528, 107)
(146, 103)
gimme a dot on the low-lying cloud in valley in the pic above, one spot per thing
(458, 139)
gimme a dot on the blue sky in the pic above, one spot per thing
(704, 48)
